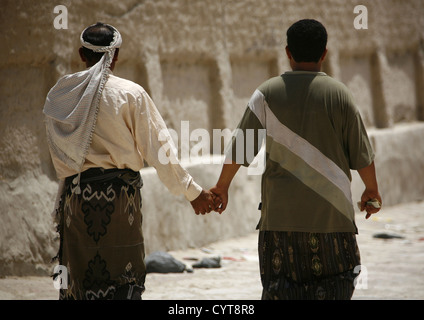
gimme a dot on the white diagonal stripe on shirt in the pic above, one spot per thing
(298, 145)
(256, 104)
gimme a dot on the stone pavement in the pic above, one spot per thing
(392, 265)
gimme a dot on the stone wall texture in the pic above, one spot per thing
(200, 60)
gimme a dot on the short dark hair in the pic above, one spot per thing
(99, 34)
(307, 40)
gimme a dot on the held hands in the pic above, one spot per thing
(215, 199)
(221, 194)
(205, 203)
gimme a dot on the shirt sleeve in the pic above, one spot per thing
(357, 143)
(250, 133)
(158, 149)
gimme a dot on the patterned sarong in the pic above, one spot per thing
(301, 265)
(101, 240)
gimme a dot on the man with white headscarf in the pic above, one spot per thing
(100, 129)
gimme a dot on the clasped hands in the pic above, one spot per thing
(214, 199)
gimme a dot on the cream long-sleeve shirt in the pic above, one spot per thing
(129, 130)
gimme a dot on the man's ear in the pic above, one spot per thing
(288, 52)
(324, 54)
(83, 58)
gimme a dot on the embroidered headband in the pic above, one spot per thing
(116, 42)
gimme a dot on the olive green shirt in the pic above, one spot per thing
(314, 137)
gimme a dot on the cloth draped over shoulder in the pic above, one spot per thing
(72, 104)
(78, 109)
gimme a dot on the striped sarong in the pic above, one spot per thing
(312, 266)
(101, 239)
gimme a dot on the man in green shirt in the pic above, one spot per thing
(314, 137)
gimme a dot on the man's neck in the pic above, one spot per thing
(306, 66)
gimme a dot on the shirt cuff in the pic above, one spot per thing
(193, 191)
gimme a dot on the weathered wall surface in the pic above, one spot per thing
(200, 61)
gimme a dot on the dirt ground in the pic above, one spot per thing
(392, 268)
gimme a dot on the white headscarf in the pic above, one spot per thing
(72, 104)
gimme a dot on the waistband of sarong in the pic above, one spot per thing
(100, 175)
